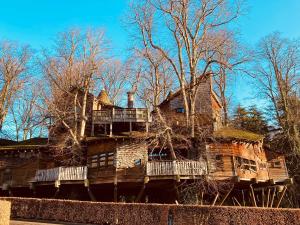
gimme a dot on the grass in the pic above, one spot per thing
(232, 133)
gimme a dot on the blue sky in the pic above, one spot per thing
(36, 22)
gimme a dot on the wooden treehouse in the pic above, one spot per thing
(120, 165)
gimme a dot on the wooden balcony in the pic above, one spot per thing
(171, 168)
(121, 115)
(61, 174)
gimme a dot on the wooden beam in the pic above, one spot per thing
(273, 196)
(215, 199)
(140, 195)
(268, 198)
(226, 196)
(281, 196)
(116, 193)
(91, 195)
(253, 195)
(263, 197)
(234, 198)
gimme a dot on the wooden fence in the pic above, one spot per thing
(61, 173)
(168, 168)
(121, 115)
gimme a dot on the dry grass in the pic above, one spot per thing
(231, 133)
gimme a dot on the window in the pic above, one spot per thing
(180, 110)
(101, 160)
(137, 162)
(277, 164)
(218, 157)
(246, 164)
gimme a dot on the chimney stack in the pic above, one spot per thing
(130, 99)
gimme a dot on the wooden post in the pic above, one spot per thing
(138, 198)
(215, 199)
(234, 198)
(91, 195)
(281, 196)
(93, 125)
(226, 196)
(273, 196)
(253, 196)
(147, 127)
(268, 198)
(263, 197)
(110, 129)
(115, 192)
(201, 198)
(243, 195)
(130, 127)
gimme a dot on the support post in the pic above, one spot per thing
(234, 198)
(273, 196)
(138, 198)
(130, 127)
(93, 126)
(215, 199)
(243, 195)
(147, 127)
(253, 195)
(263, 197)
(115, 192)
(110, 129)
(281, 196)
(91, 195)
(268, 198)
(226, 196)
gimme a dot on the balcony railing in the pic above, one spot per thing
(62, 174)
(121, 115)
(169, 168)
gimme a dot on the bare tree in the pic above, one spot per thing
(113, 78)
(14, 63)
(70, 71)
(24, 114)
(278, 77)
(238, 57)
(184, 32)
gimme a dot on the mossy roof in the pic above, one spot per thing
(236, 134)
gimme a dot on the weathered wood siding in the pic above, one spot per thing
(228, 153)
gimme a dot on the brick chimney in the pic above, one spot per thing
(130, 99)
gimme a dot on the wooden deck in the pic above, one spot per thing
(121, 115)
(62, 174)
(171, 168)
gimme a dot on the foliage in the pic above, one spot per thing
(250, 119)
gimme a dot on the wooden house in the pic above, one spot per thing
(120, 165)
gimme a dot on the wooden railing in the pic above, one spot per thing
(61, 173)
(168, 168)
(121, 115)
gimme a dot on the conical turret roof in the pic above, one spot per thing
(103, 98)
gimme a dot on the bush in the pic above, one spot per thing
(4, 212)
(147, 214)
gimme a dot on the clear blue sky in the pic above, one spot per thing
(37, 21)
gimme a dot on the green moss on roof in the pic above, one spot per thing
(232, 133)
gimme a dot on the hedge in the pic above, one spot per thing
(4, 212)
(147, 214)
